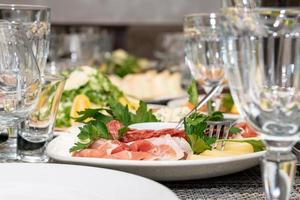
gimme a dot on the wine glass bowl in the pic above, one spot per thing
(263, 69)
(19, 75)
(204, 49)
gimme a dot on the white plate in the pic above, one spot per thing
(58, 149)
(69, 182)
(182, 101)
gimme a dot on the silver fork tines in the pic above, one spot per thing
(215, 128)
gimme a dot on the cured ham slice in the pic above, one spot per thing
(164, 147)
(113, 128)
(133, 134)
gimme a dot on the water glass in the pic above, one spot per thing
(19, 82)
(262, 57)
(203, 51)
(35, 20)
(37, 130)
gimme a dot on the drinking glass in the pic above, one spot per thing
(262, 56)
(19, 80)
(36, 22)
(203, 51)
(37, 130)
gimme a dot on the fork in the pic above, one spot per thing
(215, 128)
(203, 101)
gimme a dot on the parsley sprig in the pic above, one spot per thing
(195, 126)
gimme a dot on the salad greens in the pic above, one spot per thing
(96, 128)
(96, 86)
(121, 63)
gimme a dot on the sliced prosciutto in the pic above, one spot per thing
(164, 147)
(133, 134)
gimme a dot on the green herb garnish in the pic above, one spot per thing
(195, 127)
(193, 93)
(89, 133)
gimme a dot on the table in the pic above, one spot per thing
(239, 186)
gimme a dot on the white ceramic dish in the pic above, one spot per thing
(58, 149)
(69, 182)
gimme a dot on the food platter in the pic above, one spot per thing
(58, 149)
(70, 182)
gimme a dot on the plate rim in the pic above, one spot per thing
(59, 166)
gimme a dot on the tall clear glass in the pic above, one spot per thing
(19, 80)
(262, 57)
(36, 22)
(203, 51)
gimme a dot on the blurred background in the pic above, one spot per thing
(83, 31)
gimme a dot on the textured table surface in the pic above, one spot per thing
(243, 185)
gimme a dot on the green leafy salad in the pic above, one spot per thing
(89, 82)
(122, 63)
(95, 121)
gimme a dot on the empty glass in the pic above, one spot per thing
(203, 51)
(262, 58)
(37, 130)
(19, 81)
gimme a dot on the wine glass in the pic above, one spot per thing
(36, 22)
(19, 80)
(262, 56)
(203, 51)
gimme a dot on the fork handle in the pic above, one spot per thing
(203, 101)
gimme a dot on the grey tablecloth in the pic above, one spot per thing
(243, 185)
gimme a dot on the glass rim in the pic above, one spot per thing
(201, 15)
(23, 7)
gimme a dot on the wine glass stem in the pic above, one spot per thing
(278, 174)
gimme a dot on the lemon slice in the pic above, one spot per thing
(80, 103)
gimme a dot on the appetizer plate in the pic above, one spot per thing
(70, 182)
(58, 149)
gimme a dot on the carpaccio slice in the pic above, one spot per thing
(163, 147)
